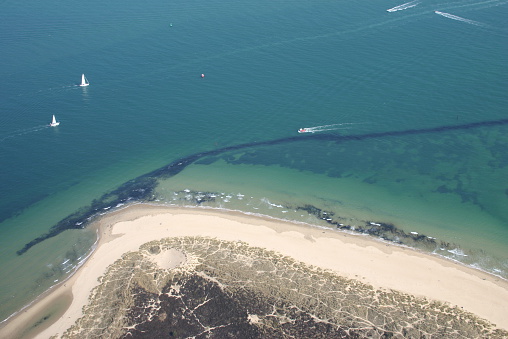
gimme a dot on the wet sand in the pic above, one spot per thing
(381, 265)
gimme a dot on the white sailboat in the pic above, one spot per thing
(84, 81)
(54, 123)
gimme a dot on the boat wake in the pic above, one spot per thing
(23, 132)
(403, 6)
(323, 128)
(458, 18)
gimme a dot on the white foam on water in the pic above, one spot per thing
(458, 252)
(403, 6)
(332, 127)
(458, 18)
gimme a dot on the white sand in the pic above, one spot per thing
(382, 265)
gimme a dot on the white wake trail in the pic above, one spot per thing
(458, 18)
(332, 127)
(404, 6)
(328, 129)
(23, 132)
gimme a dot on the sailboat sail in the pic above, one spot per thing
(54, 122)
(84, 81)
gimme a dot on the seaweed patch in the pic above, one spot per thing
(385, 231)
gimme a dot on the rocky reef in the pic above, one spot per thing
(142, 188)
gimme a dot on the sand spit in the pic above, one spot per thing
(194, 272)
(226, 284)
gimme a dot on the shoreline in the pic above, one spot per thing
(382, 265)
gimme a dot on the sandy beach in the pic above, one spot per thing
(381, 265)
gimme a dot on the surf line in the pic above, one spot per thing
(143, 187)
(403, 6)
(458, 18)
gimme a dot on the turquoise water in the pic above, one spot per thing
(270, 68)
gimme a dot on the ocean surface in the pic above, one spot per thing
(415, 103)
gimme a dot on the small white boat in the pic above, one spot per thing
(305, 130)
(54, 123)
(84, 81)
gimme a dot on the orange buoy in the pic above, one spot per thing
(202, 75)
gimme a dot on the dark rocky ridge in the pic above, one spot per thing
(142, 188)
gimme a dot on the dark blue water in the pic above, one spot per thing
(270, 68)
